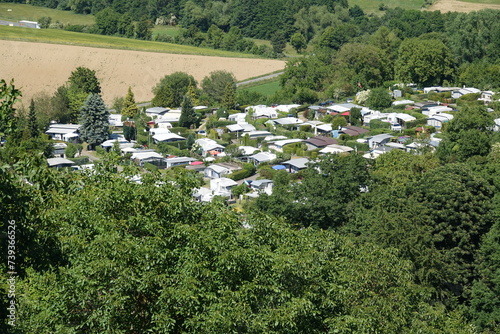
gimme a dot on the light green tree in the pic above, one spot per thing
(129, 107)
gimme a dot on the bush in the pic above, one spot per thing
(75, 28)
(378, 124)
(150, 167)
(70, 150)
(80, 160)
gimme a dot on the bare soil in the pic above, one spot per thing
(38, 67)
(460, 6)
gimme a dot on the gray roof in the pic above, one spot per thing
(180, 159)
(59, 161)
(258, 183)
(299, 163)
(218, 169)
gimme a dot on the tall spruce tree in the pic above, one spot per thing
(187, 113)
(32, 122)
(94, 120)
(129, 107)
(229, 98)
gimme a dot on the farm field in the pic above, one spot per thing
(464, 6)
(40, 67)
(33, 13)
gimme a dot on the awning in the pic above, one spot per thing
(279, 167)
(196, 163)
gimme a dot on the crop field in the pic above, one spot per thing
(464, 6)
(16, 12)
(42, 67)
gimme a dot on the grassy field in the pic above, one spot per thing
(372, 6)
(19, 12)
(166, 30)
(71, 38)
(267, 88)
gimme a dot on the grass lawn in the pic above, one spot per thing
(267, 88)
(33, 13)
(56, 36)
(372, 6)
(166, 30)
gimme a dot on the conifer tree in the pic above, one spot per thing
(187, 113)
(129, 107)
(32, 122)
(94, 120)
(164, 97)
(229, 99)
(192, 93)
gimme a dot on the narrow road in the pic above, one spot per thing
(265, 77)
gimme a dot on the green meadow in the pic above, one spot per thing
(267, 88)
(16, 12)
(56, 36)
(372, 6)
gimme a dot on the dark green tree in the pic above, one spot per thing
(278, 42)
(84, 80)
(214, 85)
(190, 141)
(94, 120)
(379, 99)
(467, 135)
(229, 98)
(485, 301)
(172, 88)
(32, 121)
(298, 42)
(188, 115)
(107, 21)
(144, 29)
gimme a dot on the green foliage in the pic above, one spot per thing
(130, 109)
(321, 198)
(378, 124)
(379, 99)
(144, 29)
(229, 98)
(434, 56)
(8, 96)
(70, 150)
(84, 80)
(32, 121)
(468, 134)
(170, 91)
(247, 171)
(94, 120)
(107, 21)
(216, 83)
(188, 115)
(298, 41)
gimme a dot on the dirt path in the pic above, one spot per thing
(39, 67)
(460, 6)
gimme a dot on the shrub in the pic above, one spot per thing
(70, 150)
(150, 167)
(80, 160)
